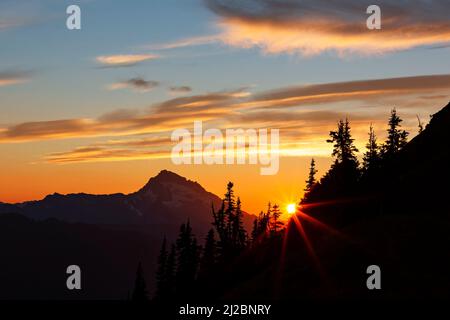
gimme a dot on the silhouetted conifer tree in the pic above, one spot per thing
(140, 293)
(265, 222)
(171, 272)
(341, 180)
(230, 208)
(312, 176)
(209, 255)
(275, 223)
(239, 235)
(229, 225)
(161, 276)
(220, 224)
(343, 147)
(397, 138)
(255, 230)
(372, 155)
(269, 210)
(260, 225)
(187, 258)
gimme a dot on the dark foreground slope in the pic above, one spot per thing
(398, 219)
(414, 263)
(35, 255)
(418, 178)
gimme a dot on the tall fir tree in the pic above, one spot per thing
(170, 273)
(269, 209)
(267, 217)
(238, 232)
(140, 293)
(342, 178)
(220, 225)
(228, 222)
(312, 176)
(230, 208)
(275, 223)
(397, 138)
(260, 225)
(187, 258)
(343, 147)
(255, 229)
(209, 256)
(161, 276)
(372, 156)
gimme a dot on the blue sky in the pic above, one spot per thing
(63, 62)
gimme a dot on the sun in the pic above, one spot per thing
(291, 208)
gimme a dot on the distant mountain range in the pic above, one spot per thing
(167, 200)
(106, 235)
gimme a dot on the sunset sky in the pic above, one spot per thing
(92, 110)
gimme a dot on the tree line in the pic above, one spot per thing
(346, 173)
(185, 264)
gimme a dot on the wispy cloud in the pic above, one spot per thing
(303, 133)
(18, 15)
(39, 130)
(360, 90)
(180, 89)
(124, 60)
(6, 24)
(187, 42)
(159, 117)
(286, 108)
(102, 154)
(11, 78)
(137, 84)
(310, 27)
(114, 150)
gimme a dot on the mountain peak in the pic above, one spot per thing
(169, 177)
(166, 174)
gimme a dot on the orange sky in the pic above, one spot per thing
(22, 180)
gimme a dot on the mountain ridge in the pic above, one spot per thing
(166, 199)
(400, 223)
